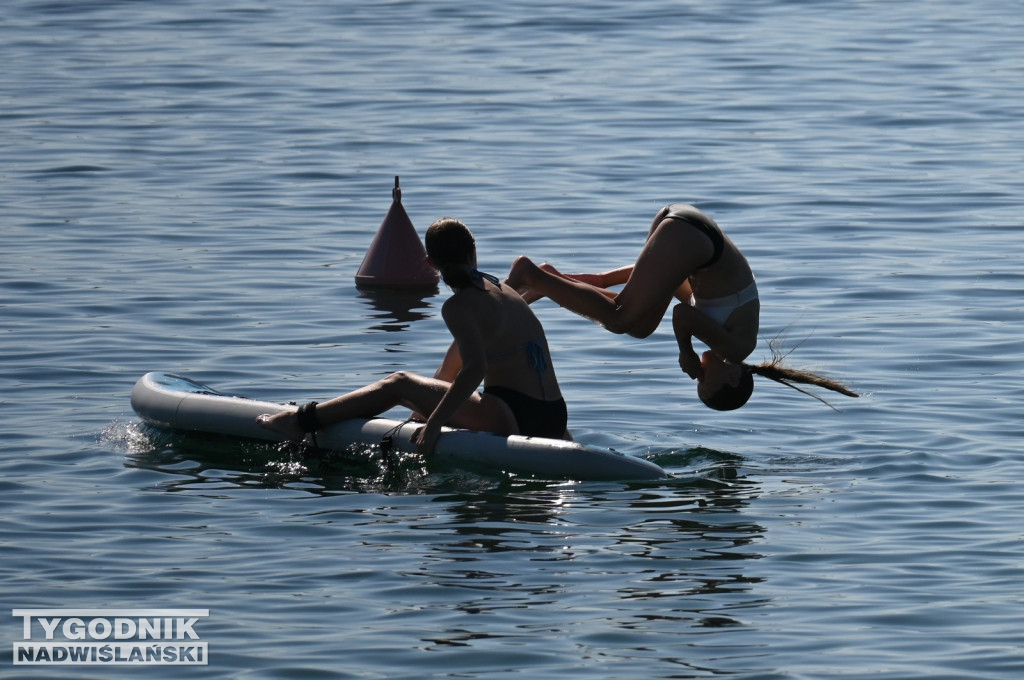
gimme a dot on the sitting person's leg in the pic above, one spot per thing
(415, 392)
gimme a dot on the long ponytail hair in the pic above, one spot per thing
(728, 397)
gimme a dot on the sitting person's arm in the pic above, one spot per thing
(469, 344)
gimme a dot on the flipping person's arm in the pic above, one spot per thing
(689, 323)
(614, 277)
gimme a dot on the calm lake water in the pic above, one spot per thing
(190, 187)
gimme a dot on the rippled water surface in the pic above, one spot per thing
(190, 187)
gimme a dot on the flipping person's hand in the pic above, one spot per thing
(690, 363)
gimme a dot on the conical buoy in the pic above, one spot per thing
(396, 257)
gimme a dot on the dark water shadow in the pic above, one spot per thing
(195, 461)
(395, 309)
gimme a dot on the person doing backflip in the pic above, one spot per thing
(687, 257)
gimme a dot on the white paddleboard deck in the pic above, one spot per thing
(178, 403)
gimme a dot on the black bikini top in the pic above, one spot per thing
(477, 276)
(535, 359)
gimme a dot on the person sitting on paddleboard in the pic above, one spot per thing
(497, 341)
(686, 256)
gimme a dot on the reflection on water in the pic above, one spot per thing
(395, 310)
(196, 461)
(669, 558)
(489, 557)
(481, 493)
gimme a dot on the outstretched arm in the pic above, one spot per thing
(614, 277)
(601, 281)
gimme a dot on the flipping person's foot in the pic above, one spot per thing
(520, 273)
(285, 423)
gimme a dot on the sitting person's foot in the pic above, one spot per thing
(285, 423)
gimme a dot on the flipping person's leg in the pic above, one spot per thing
(588, 301)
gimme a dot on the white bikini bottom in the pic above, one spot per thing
(719, 309)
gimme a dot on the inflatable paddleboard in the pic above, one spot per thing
(178, 403)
